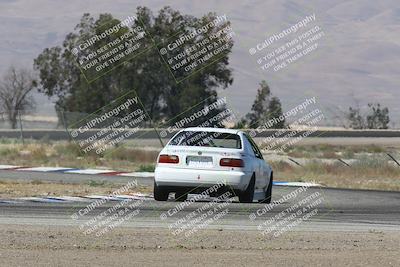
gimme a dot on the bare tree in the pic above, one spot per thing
(15, 93)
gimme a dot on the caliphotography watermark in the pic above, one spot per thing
(276, 221)
(117, 43)
(281, 49)
(218, 114)
(187, 223)
(104, 130)
(198, 47)
(100, 223)
(301, 121)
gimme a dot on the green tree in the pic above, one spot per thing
(147, 74)
(260, 106)
(264, 108)
(376, 117)
(275, 111)
(355, 118)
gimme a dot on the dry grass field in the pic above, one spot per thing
(369, 165)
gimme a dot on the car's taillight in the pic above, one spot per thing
(168, 159)
(226, 162)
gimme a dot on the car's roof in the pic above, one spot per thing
(210, 129)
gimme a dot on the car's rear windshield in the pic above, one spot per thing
(207, 139)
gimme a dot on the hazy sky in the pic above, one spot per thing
(356, 60)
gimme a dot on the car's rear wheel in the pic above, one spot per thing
(160, 193)
(181, 195)
(247, 195)
(268, 192)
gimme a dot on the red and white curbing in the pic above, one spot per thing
(119, 173)
(76, 171)
(90, 198)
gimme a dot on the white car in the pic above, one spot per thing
(196, 159)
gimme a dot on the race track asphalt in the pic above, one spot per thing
(338, 210)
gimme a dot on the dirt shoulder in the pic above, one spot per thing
(66, 246)
(10, 189)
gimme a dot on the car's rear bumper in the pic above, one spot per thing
(166, 176)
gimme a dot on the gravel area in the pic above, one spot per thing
(66, 246)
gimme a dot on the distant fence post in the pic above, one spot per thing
(64, 119)
(393, 159)
(20, 127)
(344, 162)
(292, 160)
